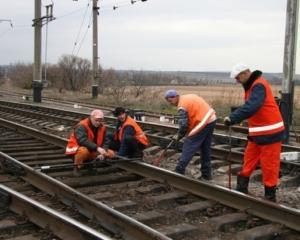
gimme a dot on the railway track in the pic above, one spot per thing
(26, 218)
(150, 116)
(60, 122)
(151, 203)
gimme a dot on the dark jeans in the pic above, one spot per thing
(200, 142)
(129, 147)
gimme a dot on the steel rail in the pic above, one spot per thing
(62, 226)
(148, 126)
(109, 218)
(61, 142)
(218, 152)
(267, 210)
(219, 126)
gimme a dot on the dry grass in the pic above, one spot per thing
(220, 97)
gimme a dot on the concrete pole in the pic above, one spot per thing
(95, 50)
(37, 68)
(289, 64)
(37, 23)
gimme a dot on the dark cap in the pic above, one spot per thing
(118, 111)
(171, 93)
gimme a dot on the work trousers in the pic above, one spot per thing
(269, 158)
(199, 142)
(82, 155)
(130, 147)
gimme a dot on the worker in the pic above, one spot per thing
(266, 130)
(128, 139)
(86, 140)
(196, 121)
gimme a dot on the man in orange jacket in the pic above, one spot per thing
(266, 129)
(86, 140)
(128, 139)
(196, 121)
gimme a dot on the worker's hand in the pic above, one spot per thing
(101, 150)
(110, 153)
(176, 137)
(227, 121)
(100, 157)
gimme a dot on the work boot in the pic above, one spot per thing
(242, 184)
(204, 177)
(270, 193)
(179, 170)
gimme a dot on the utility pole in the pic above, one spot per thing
(96, 75)
(37, 24)
(289, 65)
(37, 68)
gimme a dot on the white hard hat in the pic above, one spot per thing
(237, 69)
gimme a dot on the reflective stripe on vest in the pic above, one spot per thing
(267, 120)
(266, 128)
(71, 150)
(199, 112)
(209, 117)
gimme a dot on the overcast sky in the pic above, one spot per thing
(176, 35)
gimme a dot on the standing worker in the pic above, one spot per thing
(196, 121)
(266, 129)
(86, 140)
(128, 139)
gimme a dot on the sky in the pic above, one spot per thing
(160, 35)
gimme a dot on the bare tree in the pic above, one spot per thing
(138, 83)
(114, 84)
(21, 74)
(75, 72)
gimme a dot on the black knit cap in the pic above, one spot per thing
(118, 111)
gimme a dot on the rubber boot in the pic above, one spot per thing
(242, 184)
(270, 193)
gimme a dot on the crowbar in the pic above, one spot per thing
(229, 156)
(156, 162)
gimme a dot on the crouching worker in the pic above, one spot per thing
(128, 139)
(86, 140)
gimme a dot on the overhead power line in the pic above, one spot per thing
(84, 36)
(79, 31)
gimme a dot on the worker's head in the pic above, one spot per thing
(172, 97)
(241, 73)
(97, 117)
(120, 113)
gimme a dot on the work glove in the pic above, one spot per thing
(227, 121)
(176, 137)
(101, 150)
(100, 157)
(110, 154)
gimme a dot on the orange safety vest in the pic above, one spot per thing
(73, 145)
(199, 112)
(139, 134)
(267, 120)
